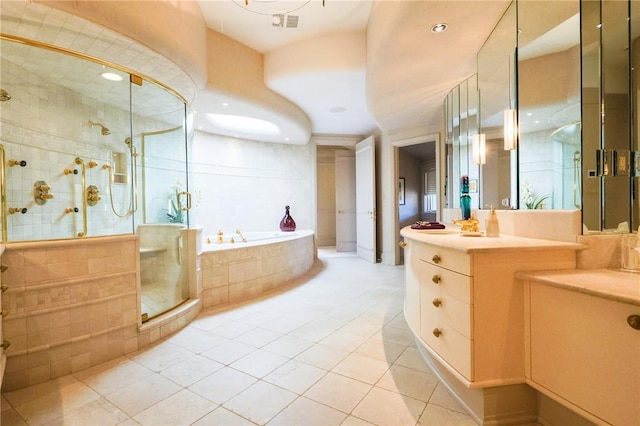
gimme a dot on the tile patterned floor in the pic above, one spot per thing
(334, 350)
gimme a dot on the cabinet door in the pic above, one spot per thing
(583, 350)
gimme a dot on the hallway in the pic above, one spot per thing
(332, 350)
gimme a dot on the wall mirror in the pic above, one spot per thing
(497, 95)
(550, 125)
(609, 98)
(461, 120)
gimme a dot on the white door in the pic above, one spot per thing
(366, 200)
(345, 178)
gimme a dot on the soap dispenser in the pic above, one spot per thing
(492, 228)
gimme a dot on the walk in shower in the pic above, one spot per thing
(90, 149)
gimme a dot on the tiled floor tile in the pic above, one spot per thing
(379, 349)
(259, 363)
(222, 385)
(162, 356)
(22, 396)
(143, 394)
(229, 352)
(260, 402)
(257, 319)
(339, 392)
(115, 378)
(49, 406)
(221, 416)
(98, 412)
(411, 358)
(312, 332)
(362, 327)
(184, 407)
(232, 329)
(397, 335)
(295, 376)
(443, 398)
(361, 368)
(288, 346)
(322, 356)
(10, 417)
(191, 370)
(258, 337)
(306, 412)
(195, 340)
(343, 340)
(385, 408)
(355, 421)
(407, 381)
(434, 415)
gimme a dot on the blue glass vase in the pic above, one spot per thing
(465, 198)
(465, 205)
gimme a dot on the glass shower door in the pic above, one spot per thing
(160, 168)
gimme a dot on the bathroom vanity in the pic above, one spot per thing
(582, 340)
(466, 309)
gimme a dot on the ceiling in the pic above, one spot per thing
(413, 69)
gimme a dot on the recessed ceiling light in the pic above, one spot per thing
(338, 109)
(439, 28)
(111, 76)
(225, 104)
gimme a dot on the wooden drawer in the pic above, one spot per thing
(452, 283)
(440, 308)
(449, 344)
(452, 260)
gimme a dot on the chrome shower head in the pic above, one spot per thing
(104, 130)
(4, 96)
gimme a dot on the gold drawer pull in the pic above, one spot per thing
(402, 244)
(634, 321)
(436, 279)
(437, 332)
(437, 302)
(436, 258)
(3, 267)
(5, 344)
(5, 313)
(3, 288)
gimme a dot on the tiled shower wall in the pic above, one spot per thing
(69, 305)
(45, 125)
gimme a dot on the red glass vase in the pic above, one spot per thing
(287, 224)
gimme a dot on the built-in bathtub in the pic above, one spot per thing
(266, 261)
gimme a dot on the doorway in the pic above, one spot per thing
(418, 177)
(346, 198)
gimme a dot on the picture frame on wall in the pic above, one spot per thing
(401, 191)
(473, 185)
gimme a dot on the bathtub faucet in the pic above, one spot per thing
(239, 232)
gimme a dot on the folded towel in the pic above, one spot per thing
(427, 225)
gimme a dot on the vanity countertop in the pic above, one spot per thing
(453, 239)
(613, 284)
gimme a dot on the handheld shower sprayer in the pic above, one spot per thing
(104, 130)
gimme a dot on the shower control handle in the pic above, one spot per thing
(22, 210)
(20, 163)
(70, 171)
